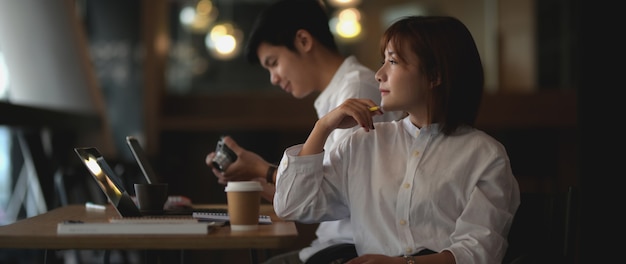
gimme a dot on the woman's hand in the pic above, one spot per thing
(349, 114)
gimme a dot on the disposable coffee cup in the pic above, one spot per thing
(244, 202)
(151, 197)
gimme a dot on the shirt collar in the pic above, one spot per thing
(415, 131)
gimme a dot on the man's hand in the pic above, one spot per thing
(248, 166)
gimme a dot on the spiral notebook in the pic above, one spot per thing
(223, 217)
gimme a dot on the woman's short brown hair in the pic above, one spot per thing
(448, 55)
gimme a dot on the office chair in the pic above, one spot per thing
(544, 229)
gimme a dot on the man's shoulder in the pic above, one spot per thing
(352, 63)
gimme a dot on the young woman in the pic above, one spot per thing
(429, 188)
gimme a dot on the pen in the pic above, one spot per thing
(374, 108)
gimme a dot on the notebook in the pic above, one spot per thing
(150, 226)
(224, 217)
(139, 225)
(113, 188)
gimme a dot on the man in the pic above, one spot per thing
(292, 40)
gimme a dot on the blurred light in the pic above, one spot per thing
(198, 19)
(162, 43)
(224, 41)
(225, 44)
(204, 7)
(187, 15)
(346, 24)
(350, 14)
(348, 28)
(344, 3)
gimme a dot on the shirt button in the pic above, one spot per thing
(416, 153)
(402, 222)
(406, 185)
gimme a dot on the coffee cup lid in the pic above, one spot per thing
(243, 186)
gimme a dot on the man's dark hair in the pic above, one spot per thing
(277, 25)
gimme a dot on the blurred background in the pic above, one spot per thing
(171, 73)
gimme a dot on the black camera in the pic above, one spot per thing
(224, 156)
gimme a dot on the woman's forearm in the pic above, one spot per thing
(315, 142)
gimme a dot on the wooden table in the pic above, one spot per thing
(39, 232)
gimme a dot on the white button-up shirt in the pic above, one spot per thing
(406, 190)
(352, 80)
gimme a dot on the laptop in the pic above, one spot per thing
(142, 160)
(174, 202)
(110, 184)
(113, 188)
